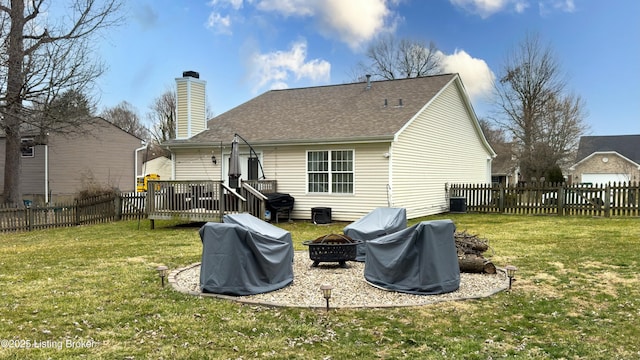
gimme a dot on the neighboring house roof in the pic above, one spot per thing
(336, 113)
(626, 145)
(154, 151)
(504, 163)
(31, 130)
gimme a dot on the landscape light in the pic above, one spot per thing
(326, 292)
(162, 272)
(511, 273)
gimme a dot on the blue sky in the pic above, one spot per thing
(244, 48)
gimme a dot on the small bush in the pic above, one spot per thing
(554, 175)
(91, 187)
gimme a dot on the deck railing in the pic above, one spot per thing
(203, 200)
(256, 201)
(263, 186)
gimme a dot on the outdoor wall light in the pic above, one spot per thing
(214, 160)
(326, 292)
(511, 273)
(162, 272)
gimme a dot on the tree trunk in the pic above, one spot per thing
(13, 114)
(476, 264)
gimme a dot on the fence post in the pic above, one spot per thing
(560, 199)
(117, 200)
(77, 206)
(503, 193)
(607, 200)
(222, 200)
(29, 218)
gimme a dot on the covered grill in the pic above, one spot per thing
(279, 204)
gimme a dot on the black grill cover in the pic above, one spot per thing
(279, 202)
(421, 259)
(245, 256)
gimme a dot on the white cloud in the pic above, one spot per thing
(289, 7)
(274, 70)
(548, 6)
(220, 24)
(353, 22)
(235, 4)
(486, 8)
(476, 75)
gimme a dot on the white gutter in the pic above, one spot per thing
(135, 171)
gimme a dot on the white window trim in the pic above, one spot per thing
(330, 172)
(33, 149)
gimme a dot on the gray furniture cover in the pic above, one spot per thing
(245, 256)
(421, 259)
(379, 222)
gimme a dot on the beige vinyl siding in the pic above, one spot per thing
(182, 113)
(32, 172)
(191, 107)
(287, 164)
(195, 164)
(440, 146)
(104, 156)
(198, 107)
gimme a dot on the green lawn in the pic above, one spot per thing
(92, 292)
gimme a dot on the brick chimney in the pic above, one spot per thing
(191, 105)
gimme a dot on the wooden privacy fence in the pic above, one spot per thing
(93, 210)
(613, 199)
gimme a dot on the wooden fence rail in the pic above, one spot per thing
(93, 210)
(614, 199)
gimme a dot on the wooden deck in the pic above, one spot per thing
(203, 201)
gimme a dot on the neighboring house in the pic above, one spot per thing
(156, 160)
(604, 159)
(504, 168)
(351, 147)
(56, 167)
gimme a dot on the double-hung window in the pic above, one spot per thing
(330, 171)
(26, 147)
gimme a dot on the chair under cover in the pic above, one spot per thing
(379, 222)
(245, 256)
(421, 259)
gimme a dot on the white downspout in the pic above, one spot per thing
(46, 174)
(135, 174)
(389, 156)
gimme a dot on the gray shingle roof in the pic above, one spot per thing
(347, 112)
(626, 145)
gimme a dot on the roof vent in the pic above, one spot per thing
(368, 81)
(399, 102)
(193, 74)
(385, 102)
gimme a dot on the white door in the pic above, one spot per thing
(603, 178)
(244, 166)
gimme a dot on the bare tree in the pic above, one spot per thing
(162, 115)
(391, 59)
(70, 107)
(534, 107)
(125, 116)
(41, 58)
